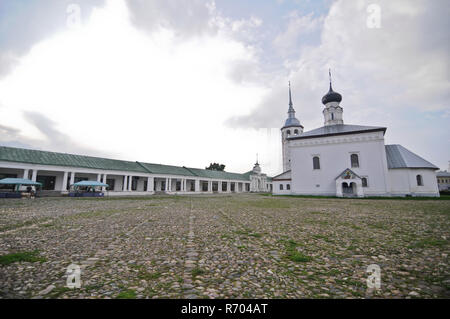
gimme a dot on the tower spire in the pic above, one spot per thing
(329, 73)
(290, 98)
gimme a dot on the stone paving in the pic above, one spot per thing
(224, 246)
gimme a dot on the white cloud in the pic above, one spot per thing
(298, 27)
(143, 96)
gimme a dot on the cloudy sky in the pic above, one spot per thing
(189, 82)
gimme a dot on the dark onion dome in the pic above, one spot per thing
(331, 96)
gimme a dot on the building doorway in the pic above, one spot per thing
(348, 190)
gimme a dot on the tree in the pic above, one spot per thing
(215, 167)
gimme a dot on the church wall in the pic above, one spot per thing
(276, 187)
(404, 182)
(334, 153)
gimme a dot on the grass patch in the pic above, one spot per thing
(256, 235)
(127, 294)
(197, 272)
(428, 242)
(293, 254)
(297, 257)
(148, 275)
(28, 256)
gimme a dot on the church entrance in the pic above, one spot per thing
(347, 190)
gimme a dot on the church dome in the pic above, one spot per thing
(292, 121)
(331, 96)
(257, 168)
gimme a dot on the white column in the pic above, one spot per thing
(210, 186)
(219, 186)
(25, 173)
(150, 183)
(34, 175)
(124, 186)
(64, 182)
(98, 177)
(104, 182)
(130, 178)
(72, 178)
(228, 187)
(197, 185)
(338, 188)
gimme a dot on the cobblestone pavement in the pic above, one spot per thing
(224, 246)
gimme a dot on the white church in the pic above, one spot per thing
(340, 159)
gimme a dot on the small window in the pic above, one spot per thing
(354, 160)
(364, 181)
(281, 187)
(288, 186)
(288, 132)
(332, 116)
(419, 180)
(316, 162)
(296, 132)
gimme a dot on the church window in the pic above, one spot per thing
(288, 186)
(316, 162)
(332, 116)
(296, 132)
(419, 180)
(364, 181)
(288, 132)
(354, 160)
(281, 187)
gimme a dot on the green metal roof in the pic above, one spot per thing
(12, 154)
(166, 169)
(206, 173)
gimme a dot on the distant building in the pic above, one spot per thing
(443, 180)
(57, 171)
(339, 159)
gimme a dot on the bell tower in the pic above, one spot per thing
(292, 127)
(332, 112)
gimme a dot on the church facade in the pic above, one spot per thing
(342, 160)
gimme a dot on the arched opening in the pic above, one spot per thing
(288, 132)
(347, 189)
(316, 162)
(419, 180)
(354, 160)
(332, 116)
(296, 132)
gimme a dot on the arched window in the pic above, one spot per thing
(288, 132)
(281, 187)
(419, 180)
(364, 181)
(288, 186)
(296, 132)
(316, 162)
(332, 116)
(354, 160)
